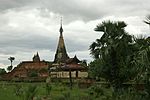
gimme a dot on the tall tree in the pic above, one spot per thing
(113, 53)
(143, 62)
(11, 60)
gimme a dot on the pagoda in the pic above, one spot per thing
(61, 54)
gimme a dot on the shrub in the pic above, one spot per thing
(32, 73)
(30, 92)
(18, 90)
(48, 88)
(96, 90)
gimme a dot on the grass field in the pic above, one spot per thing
(57, 91)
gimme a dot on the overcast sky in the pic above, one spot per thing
(28, 26)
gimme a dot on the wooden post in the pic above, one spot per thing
(70, 78)
(77, 74)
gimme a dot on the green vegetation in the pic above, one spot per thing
(2, 71)
(114, 54)
(59, 91)
(121, 59)
(121, 67)
(32, 73)
(40, 91)
(11, 60)
(147, 21)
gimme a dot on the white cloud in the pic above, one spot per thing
(28, 26)
(2, 65)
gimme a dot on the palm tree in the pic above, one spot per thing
(114, 49)
(11, 60)
(112, 33)
(143, 62)
(147, 21)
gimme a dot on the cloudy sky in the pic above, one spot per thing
(28, 26)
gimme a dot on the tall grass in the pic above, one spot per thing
(42, 91)
(30, 92)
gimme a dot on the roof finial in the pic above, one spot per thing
(61, 21)
(61, 29)
(37, 53)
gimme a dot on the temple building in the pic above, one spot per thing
(59, 68)
(28, 69)
(63, 64)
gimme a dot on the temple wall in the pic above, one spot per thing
(65, 74)
(22, 69)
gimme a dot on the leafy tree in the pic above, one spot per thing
(2, 71)
(95, 69)
(113, 53)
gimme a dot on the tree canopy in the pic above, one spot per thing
(147, 20)
(114, 54)
(2, 71)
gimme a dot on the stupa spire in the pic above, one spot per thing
(61, 29)
(61, 54)
(36, 58)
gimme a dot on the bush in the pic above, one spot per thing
(2, 71)
(32, 73)
(96, 90)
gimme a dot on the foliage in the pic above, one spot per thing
(32, 73)
(143, 60)
(30, 92)
(95, 68)
(9, 68)
(147, 21)
(62, 92)
(96, 90)
(43, 70)
(99, 92)
(48, 88)
(18, 90)
(2, 71)
(11, 59)
(113, 54)
(142, 57)
(130, 95)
